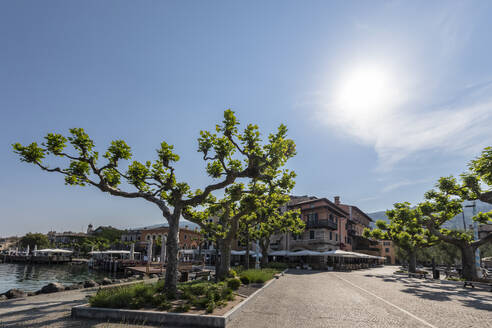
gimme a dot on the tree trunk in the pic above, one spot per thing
(468, 262)
(412, 261)
(264, 252)
(172, 256)
(217, 262)
(225, 259)
(246, 263)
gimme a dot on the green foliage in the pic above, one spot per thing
(29, 154)
(257, 275)
(124, 297)
(202, 295)
(481, 167)
(116, 151)
(232, 273)
(233, 283)
(33, 239)
(405, 228)
(244, 279)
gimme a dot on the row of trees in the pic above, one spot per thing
(248, 170)
(106, 238)
(422, 226)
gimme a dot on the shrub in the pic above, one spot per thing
(202, 294)
(244, 280)
(258, 276)
(210, 307)
(182, 308)
(232, 273)
(233, 283)
(121, 297)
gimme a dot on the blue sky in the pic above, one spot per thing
(381, 97)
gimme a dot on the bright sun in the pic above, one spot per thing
(364, 91)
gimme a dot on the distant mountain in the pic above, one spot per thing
(455, 223)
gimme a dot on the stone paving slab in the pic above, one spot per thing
(367, 298)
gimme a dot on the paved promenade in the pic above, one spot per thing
(368, 298)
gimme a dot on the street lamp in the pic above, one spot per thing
(475, 237)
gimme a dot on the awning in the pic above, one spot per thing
(279, 253)
(54, 250)
(305, 253)
(244, 253)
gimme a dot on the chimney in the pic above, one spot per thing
(337, 200)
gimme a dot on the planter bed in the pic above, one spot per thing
(194, 316)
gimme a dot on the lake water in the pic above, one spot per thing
(31, 277)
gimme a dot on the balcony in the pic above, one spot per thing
(352, 232)
(327, 224)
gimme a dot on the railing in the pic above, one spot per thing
(321, 224)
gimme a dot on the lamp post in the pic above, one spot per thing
(475, 237)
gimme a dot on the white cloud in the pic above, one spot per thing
(399, 131)
(404, 183)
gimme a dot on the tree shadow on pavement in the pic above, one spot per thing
(430, 290)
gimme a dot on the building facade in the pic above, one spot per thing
(352, 232)
(387, 250)
(188, 238)
(323, 220)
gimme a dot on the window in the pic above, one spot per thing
(331, 217)
(148, 237)
(387, 250)
(336, 236)
(312, 218)
(184, 237)
(386, 243)
(331, 236)
(311, 234)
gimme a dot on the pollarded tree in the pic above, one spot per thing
(262, 220)
(226, 213)
(442, 206)
(406, 229)
(269, 219)
(236, 208)
(229, 154)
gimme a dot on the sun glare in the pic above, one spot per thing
(364, 92)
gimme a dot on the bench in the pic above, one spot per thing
(472, 284)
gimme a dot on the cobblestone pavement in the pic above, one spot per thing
(366, 298)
